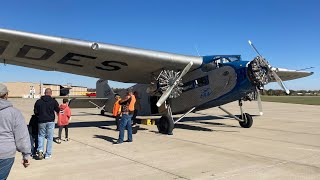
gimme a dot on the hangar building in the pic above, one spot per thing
(35, 90)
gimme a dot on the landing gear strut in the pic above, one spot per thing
(166, 124)
(102, 112)
(245, 119)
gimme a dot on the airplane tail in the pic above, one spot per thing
(103, 89)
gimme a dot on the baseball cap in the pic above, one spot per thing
(3, 89)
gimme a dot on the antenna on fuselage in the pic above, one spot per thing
(196, 47)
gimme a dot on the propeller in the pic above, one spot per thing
(259, 102)
(270, 69)
(167, 93)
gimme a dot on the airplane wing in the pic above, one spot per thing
(106, 61)
(286, 74)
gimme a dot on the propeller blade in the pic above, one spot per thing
(164, 96)
(271, 69)
(254, 48)
(167, 93)
(185, 70)
(279, 81)
(259, 102)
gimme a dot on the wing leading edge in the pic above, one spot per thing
(106, 61)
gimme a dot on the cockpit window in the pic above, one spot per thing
(226, 58)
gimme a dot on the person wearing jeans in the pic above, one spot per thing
(46, 130)
(127, 112)
(14, 135)
(45, 109)
(125, 123)
(5, 167)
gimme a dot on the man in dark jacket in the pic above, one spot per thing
(44, 108)
(13, 135)
(34, 131)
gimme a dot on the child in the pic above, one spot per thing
(63, 119)
(117, 110)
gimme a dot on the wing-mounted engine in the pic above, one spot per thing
(168, 84)
(163, 82)
(167, 79)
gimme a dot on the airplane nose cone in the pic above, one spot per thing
(258, 72)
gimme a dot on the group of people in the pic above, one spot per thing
(125, 111)
(30, 140)
(16, 135)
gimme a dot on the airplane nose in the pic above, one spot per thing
(258, 72)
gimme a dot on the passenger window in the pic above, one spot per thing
(187, 86)
(203, 81)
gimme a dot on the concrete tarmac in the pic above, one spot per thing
(284, 143)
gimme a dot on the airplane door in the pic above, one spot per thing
(153, 106)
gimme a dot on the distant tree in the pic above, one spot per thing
(117, 90)
(91, 90)
(270, 92)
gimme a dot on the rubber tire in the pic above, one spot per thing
(102, 112)
(165, 125)
(249, 121)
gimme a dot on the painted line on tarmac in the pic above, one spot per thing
(280, 130)
(315, 150)
(254, 170)
(244, 153)
(124, 157)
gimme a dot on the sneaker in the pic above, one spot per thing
(59, 141)
(118, 142)
(67, 139)
(47, 157)
(40, 155)
(128, 141)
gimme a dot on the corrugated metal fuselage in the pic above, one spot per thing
(202, 90)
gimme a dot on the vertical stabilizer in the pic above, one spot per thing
(103, 89)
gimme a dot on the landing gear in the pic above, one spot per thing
(247, 123)
(165, 125)
(245, 120)
(166, 122)
(102, 112)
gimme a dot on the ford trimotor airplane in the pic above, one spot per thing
(168, 83)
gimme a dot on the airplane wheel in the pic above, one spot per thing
(248, 122)
(165, 125)
(102, 112)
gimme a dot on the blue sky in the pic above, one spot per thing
(286, 32)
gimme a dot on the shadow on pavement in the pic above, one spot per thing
(218, 124)
(107, 138)
(91, 124)
(191, 127)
